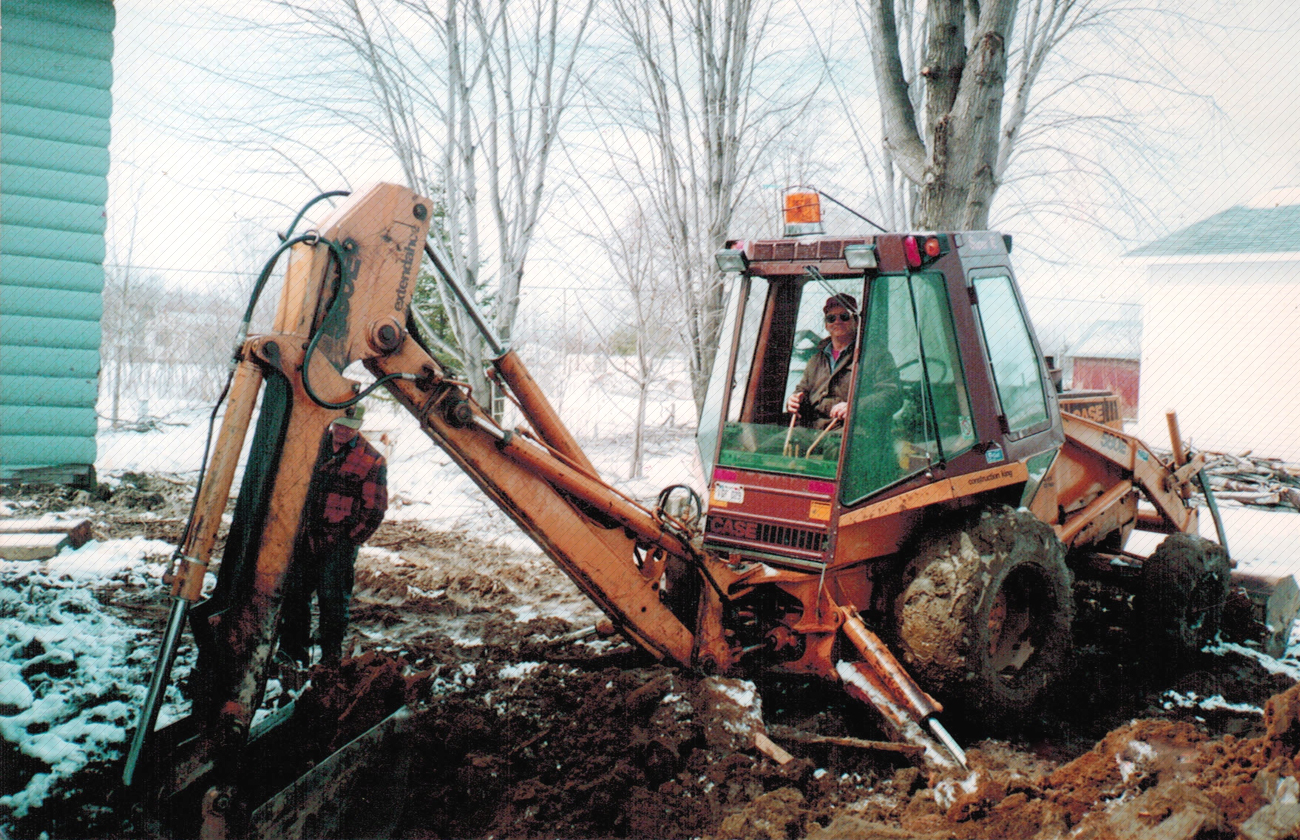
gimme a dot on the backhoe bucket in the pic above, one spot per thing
(356, 791)
(1275, 600)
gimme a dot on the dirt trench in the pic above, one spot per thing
(638, 750)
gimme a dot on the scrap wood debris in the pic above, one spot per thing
(42, 537)
(1254, 480)
(1250, 479)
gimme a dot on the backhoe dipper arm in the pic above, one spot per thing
(297, 372)
(346, 298)
(610, 546)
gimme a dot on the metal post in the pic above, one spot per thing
(1214, 511)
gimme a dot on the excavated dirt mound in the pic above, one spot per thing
(544, 750)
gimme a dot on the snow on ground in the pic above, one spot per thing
(1191, 700)
(1262, 541)
(1288, 666)
(72, 675)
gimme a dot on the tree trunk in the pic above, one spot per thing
(637, 465)
(961, 171)
(954, 164)
(117, 386)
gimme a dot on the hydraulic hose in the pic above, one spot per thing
(307, 207)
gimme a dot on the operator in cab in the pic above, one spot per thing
(822, 395)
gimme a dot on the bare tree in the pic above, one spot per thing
(964, 85)
(122, 321)
(468, 96)
(162, 341)
(634, 246)
(698, 107)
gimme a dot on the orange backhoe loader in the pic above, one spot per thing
(920, 553)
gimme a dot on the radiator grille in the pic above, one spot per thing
(792, 537)
(779, 536)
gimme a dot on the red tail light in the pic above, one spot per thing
(913, 252)
(932, 248)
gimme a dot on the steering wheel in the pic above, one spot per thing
(939, 370)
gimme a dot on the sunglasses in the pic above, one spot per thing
(844, 318)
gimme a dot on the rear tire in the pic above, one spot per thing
(1185, 585)
(985, 618)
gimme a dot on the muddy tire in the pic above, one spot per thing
(1185, 585)
(985, 617)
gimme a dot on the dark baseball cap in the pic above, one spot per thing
(841, 301)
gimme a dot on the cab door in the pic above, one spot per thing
(911, 404)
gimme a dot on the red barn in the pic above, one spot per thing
(1109, 358)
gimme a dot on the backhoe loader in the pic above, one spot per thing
(922, 553)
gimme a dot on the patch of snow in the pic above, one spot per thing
(1143, 751)
(950, 789)
(106, 559)
(1191, 700)
(1273, 666)
(15, 697)
(383, 555)
(741, 692)
(517, 670)
(84, 670)
(457, 681)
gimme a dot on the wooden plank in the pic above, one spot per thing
(75, 475)
(771, 749)
(77, 530)
(786, 733)
(31, 546)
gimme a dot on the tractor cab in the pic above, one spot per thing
(946, 380)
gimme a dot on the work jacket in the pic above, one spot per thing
(349, 493)
(825, 383)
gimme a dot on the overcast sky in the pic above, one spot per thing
(194, 200)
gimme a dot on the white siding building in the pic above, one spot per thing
(1221, 330)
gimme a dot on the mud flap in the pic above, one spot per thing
(356, 792)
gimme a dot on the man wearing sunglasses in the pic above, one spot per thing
(823, 393)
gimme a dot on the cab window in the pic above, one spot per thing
(781, 328)
(1017, 374)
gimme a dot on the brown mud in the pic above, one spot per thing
(531, 725)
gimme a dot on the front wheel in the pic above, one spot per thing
(986, 614)
(1185, 585)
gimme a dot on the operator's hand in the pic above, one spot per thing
(792, 405)
(839, 411)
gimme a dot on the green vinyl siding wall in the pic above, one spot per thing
(56, 77)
